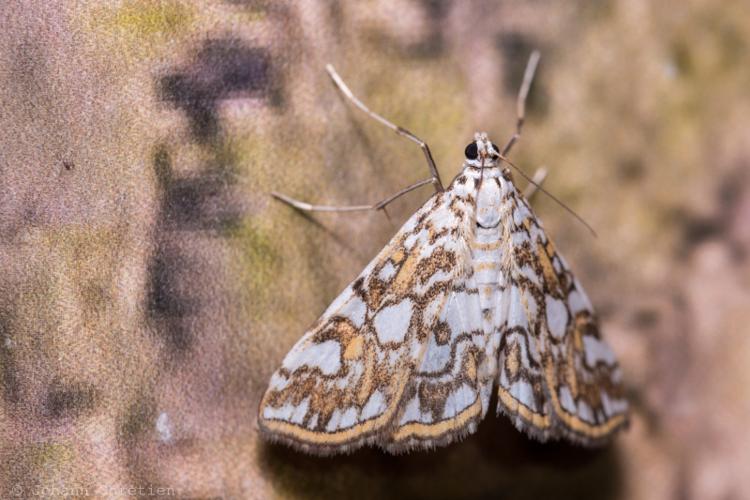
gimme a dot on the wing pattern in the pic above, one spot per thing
(469, 293)
(393, 361)
(557, 377)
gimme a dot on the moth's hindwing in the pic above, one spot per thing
(557, 377)
(393, 360)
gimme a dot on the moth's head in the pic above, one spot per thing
(482, 152)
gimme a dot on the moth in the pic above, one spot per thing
(469, 299)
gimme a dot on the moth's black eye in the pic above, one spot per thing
(471, 151)
(494, 146)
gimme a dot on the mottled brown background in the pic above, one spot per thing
(149, 285)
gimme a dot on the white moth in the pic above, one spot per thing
(469, 297)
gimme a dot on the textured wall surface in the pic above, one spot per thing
(149, 285)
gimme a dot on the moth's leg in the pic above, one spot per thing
(523, 93)
(301, 205)
(538, 180)
(435, 180)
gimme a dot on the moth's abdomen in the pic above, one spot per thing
(487, 250)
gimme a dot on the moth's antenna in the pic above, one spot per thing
(554, 198)
(523, 93)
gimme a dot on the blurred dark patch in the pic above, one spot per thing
(198, 204)
(734, 196)
(68, 165)
(643, 318)
(641, 408)
(163, 167)
(162, 298)
(165, 303)
(607, 307)
(698, 229)
(336, 15)
(515, 49)
(431, 45)
(28, 67)
(496, 462)
(732, 42)
(31, 214)
(671, 351)
(434, 44)
(631, 169)
(684, 473)
(96, 295)
(134, 433)
(222, 69)
(597, 11)
(8, 369)
(732, 187)
(201, 202)
(739, 253)
(138, 420)
(69, 400)
(682, 58)
(256, 6)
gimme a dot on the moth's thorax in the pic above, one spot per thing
(488, 188)
(489, 202)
